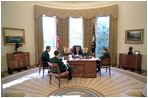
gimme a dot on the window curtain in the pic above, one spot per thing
(63, 31)
(63, 25)
(113, 40)
(38, 39)
(88, 33)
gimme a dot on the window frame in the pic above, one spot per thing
(96, 35)
(53, 47)
(77, 37)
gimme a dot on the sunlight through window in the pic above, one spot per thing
(102, 34)
(75, 31)
(49, 33)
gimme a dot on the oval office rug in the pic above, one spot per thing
(76, 91)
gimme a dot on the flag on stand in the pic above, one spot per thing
(57, 42)
(93, 42)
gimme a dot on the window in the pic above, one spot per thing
(49, 33)
(75, 31)
(102, 34)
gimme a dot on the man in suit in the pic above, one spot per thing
(106, 54)
(77, 51)
(64, 69)
(45, 57)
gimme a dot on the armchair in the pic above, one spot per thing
(57, 75)
(105, 63)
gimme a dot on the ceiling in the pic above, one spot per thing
(74, 4)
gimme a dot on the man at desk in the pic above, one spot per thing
(77, 51)
(64, 69)
(106, 54)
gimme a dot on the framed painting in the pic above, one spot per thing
(13, 35)
(134, 36)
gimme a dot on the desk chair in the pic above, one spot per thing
(57, 75)
(105, 63)
(41, 66)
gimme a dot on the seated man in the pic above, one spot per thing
(106, 54)
(64, 69)
(77, 51)
(45, 57)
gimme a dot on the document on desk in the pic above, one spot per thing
(93, 58)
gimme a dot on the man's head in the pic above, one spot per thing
(48, 48)
(77, 48)
(104, 50)
(57, 53)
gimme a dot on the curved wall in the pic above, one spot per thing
(19, 14)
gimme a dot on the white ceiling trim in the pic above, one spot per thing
(74, 4)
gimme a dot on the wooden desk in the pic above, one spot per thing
(82, 67)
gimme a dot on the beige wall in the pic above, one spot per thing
(132, 15)
(18, 15)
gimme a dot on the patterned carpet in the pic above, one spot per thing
(76, 91)
(34, 85)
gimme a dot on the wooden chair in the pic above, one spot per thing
(42, 67)
(57, 75)
(105, 63)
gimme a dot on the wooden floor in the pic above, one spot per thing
(111, 86)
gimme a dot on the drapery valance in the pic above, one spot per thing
(85, 13)
(62, 26)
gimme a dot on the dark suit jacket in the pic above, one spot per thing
(60, 64)
(105, 55)
(80, 52)
(45, 57)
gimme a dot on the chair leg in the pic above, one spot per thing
(109, 71)
(39, 69)
(59, 82)
(106, 70)
(43, 72)
(50, 79)
(100, 71)
(68, 78)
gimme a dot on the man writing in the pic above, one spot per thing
(64, 69)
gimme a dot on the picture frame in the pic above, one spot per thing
(13, 35)
(134, 36)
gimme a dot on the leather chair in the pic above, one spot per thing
(57, 75)
(41, 66)
(105, 63)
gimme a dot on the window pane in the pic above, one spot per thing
(49, 33)
(102, 34)
(76, 31)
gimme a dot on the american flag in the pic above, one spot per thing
(57, 42)
(93, 41)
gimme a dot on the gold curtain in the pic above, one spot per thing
(62, 26)
(38, 39)
(113, 40)
(85, 13)
(88, 33)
